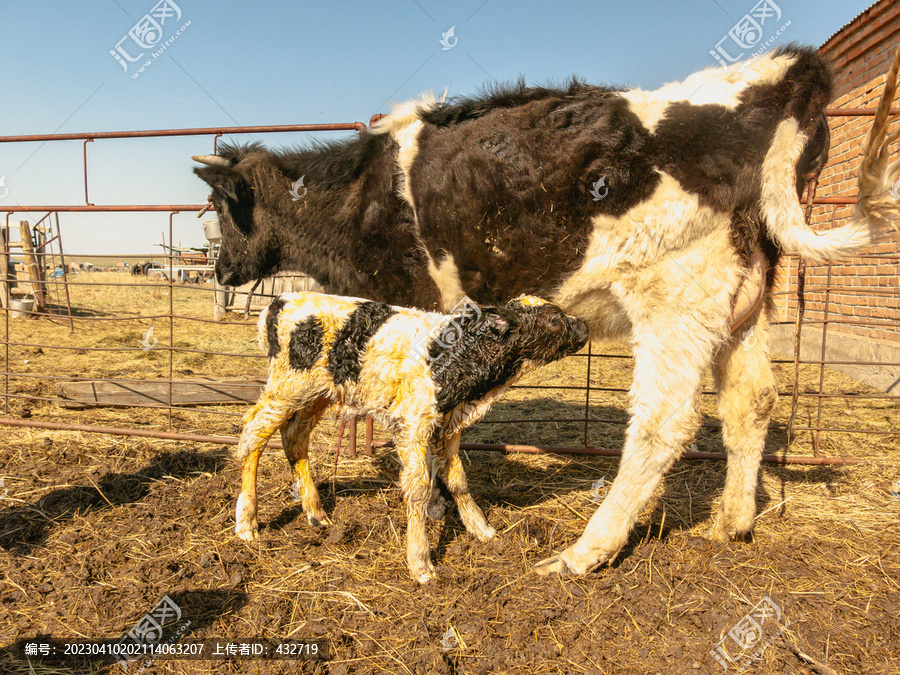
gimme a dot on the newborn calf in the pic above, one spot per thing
(424, 376)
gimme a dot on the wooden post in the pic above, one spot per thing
(32, 267)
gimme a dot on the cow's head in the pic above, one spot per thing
(249, 247)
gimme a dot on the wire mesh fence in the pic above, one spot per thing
(93, 347)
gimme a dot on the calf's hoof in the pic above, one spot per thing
(427, 577)
(247, 531)
(423, 571)
(485, 533)
(318, 520)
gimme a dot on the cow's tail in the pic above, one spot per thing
(878, 197)
(878, 186)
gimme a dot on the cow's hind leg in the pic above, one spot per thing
(747, 396)
(261, 421)
(295, 438)
(454, 477)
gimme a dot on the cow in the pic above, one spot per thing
(425, 376)
(656, 216)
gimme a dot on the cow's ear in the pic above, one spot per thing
(228, 187)
(226, 181)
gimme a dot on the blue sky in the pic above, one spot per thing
(242, 63)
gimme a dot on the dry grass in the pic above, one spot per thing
(94, 530)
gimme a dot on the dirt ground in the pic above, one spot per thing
(96, 529)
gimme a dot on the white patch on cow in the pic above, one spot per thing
(650, 235)
(679, 306)
(404, 114)
(446, 277)
(781, 210)
(711, 86)
(404, 125)
(407, 139)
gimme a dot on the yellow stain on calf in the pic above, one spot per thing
(530, 301)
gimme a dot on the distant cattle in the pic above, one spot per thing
(656, 216)
(424, 376)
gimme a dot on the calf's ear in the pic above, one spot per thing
(498, 322)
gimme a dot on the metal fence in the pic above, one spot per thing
(33, 386)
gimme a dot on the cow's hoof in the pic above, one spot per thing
(716, 533)
(728, 536)
(553, 565)
(726, 531)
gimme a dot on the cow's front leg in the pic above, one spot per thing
(260, 422)
(673, 344)
(416, 487)
(663, 420)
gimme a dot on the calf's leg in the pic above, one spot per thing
(454, 477)
(747, 396)
(261, 421)
(412, 446)
(295, 438)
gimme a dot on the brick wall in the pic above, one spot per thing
(864, 295)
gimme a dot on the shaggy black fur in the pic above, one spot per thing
(272, 325)
(306, 343)
(490, 347)
(345, 358)
(463, 109)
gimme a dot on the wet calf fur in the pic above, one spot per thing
(425, 376)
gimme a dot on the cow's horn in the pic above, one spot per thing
(211, 160)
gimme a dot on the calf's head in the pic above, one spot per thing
(250, 246)
(542, 331)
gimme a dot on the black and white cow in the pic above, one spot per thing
(425, 376)
(656, 216)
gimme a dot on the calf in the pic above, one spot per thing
(425, 376)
